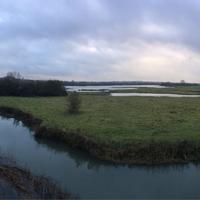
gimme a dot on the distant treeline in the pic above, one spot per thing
(171, 84)
(90, 83)
(11, 86)
(93, 83)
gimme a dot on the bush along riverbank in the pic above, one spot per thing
(134, 152)
(21, 184)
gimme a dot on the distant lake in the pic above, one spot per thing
(109, 87)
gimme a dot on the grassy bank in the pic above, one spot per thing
(123, 128)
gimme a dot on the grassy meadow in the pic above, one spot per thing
(186, 90)
(117, 120)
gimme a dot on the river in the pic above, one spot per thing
(81, 174)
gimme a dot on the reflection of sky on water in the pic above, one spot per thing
(82, 174)
(109, 87)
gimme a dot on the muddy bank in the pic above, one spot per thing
(137, 152)
(21, 184)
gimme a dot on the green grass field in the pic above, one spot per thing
(118, 119)
(189, 90)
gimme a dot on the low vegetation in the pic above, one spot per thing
(120, 128)
(74, 103)
(117, 119)
(186, 90)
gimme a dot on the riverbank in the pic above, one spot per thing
(147, 131)
(21, 184)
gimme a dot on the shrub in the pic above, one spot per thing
(12, 86)
(74, 102)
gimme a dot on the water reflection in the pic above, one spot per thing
(80, 173)
(83, 158)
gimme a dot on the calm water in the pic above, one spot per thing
(81, 174)
(7, 191)
(150, 95)
(109, 87)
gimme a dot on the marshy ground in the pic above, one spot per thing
(120, 124)
(117, 119)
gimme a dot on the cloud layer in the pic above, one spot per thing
(101, 39)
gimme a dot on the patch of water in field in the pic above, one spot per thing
(109, 87)
(82, 174)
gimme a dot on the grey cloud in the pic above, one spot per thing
(86, 38)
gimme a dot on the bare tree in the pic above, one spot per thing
(14, 75)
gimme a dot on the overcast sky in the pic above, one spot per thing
(101, 39)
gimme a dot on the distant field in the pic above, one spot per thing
(118, 120)
(194, 90)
